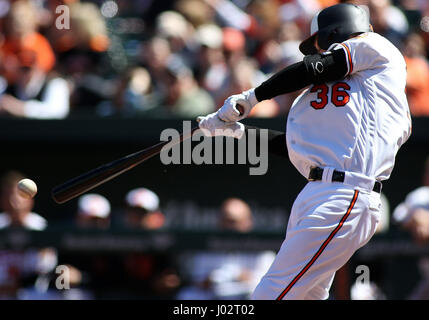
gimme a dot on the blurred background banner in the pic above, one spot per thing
(83, 83)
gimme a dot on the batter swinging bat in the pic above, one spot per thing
(93, 178)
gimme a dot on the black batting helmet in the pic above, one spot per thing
(335, 24)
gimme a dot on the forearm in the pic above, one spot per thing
(313, 69)
(288, 80)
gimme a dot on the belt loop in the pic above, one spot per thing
(327, 174)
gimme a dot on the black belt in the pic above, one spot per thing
(337, 176)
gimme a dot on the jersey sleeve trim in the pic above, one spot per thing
(349, 58)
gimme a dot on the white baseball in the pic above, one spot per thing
(27, 188)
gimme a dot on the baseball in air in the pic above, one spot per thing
(27, 188)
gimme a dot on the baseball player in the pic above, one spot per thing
(342, 134)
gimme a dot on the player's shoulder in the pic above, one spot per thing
(374, 42)
(373, 46)
(368, 37)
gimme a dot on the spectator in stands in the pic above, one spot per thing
(46, 287)
(301, 12)
(250, 29)
(257, 19)
(230, 15)
(225, 274)
(135, 94)
(417, 75)
(89, 275)
(242, 71)
(197, 12)
(142, 209)
(21, 34)
(103, 74)
(413, 215)
(388, 21)
(211, 69)
(153, 275)
(179, 33)
(234, 45)
(244, 75)
(22, 269)
(87, 29)
(81, 50)
(223, 65)
(235, 215)
(289, 39)
(31, 90)
(413, 10)
(183, 97)
(154, 55)
(173, 26)
(93, 211)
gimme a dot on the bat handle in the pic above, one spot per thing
(240, 109)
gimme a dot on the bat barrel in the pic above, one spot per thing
(93, 178)
(85, 182)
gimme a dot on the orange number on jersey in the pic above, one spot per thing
(322, 95)
(339, 97)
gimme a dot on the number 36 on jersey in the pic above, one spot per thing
(337, 94)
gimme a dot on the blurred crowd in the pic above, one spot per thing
(222, 273)
(173, 58)
(176, 58)
(54, 273)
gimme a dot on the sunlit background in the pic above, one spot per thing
(85, 82)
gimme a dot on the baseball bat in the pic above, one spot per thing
(95, 177)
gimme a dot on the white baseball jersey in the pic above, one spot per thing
(356, 124)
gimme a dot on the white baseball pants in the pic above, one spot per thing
(329, 221)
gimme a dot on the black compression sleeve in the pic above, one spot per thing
(290, 79)
(276, 140)
(326, 67)
(314, 69)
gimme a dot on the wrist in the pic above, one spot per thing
(251, 97)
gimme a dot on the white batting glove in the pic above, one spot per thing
(229, 112)
(213, 126)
